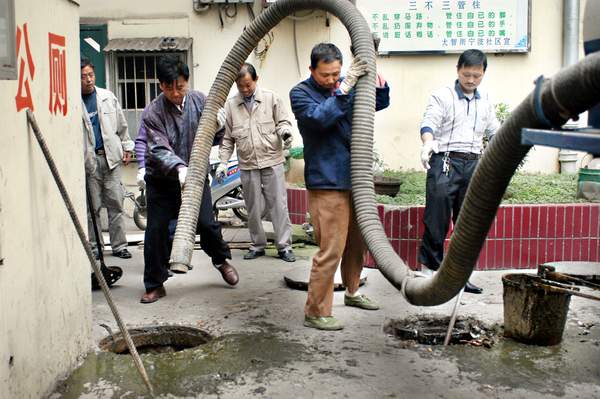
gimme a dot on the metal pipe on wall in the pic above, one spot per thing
(570, 32)
(567, 158)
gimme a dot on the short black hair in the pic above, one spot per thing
(325, 52)
(86, 62)
(376, 41)
(472, 57)
(170, 67)
(247, 68)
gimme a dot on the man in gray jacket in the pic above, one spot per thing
(107, 147)
(259, 126)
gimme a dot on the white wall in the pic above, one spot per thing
(45, 294)
(411, 77)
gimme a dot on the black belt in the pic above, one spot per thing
(469, 156)
(100, 151)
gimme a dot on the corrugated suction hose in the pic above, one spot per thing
(484, 194)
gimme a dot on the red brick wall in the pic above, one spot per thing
(522, 236)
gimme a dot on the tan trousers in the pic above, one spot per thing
(338, 238)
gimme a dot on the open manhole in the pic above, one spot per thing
(156, 339)
(431, 330)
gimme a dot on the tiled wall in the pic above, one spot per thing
(522, 236)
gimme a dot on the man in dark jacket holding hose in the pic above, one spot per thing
(171, 122)
(322, 105)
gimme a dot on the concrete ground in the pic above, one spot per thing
(261, 348)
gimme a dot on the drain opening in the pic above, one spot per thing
(431, 330)
(156, 339)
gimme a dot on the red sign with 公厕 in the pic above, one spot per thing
(57, 56)
(23, 98)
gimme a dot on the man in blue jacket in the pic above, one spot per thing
(322, 105)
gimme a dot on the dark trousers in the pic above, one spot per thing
(444, 197)
(163, 201)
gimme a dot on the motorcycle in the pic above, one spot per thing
(227, 194)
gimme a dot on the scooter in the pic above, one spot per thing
(228, 193)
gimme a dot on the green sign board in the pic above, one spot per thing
(432, 26)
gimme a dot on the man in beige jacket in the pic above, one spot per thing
(259, 126)
(107, 147)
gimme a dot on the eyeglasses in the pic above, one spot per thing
(87, 75)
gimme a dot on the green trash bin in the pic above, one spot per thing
(588, 184)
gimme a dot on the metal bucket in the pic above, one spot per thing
(534, 313)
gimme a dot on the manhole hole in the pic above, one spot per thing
(431, 330)
(156, 339)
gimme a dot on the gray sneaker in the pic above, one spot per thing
(329, 323)
(361, 301)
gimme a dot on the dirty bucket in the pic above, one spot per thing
(534, 313)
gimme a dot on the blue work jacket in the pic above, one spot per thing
(325, 123)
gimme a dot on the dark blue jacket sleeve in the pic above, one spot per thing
(317, 115)
(382, 97)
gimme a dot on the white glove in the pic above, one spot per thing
(221, 118)
(286, 136)
(140, 178)
(221, 172)
(358, 68)
(428, 148)
(182, 173)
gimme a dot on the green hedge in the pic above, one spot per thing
(523, 189)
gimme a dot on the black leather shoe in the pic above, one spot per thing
(472, 288)
(252, 254)
(123, 254)
(287, 256)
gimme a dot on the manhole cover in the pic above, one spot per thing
(431, 330)
(156, 339)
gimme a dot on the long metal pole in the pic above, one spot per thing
(88, 250)
(453, 318)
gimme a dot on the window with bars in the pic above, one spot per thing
(136, 83)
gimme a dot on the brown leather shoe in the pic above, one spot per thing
(153, 295)
(229, 273)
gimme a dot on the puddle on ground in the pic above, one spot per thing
(544, 369)
(509, 365)
(203, 370)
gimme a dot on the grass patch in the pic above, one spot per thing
(523, 189)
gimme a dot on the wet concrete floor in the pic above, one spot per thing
(261, 349)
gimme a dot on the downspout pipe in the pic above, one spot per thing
(570, 32)
(570, 57)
